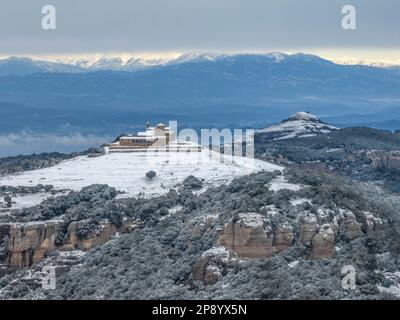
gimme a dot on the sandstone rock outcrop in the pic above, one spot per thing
(323, 243)
(388, 161)
(372, 222)
(324, 216)
(351, 226)
(29, 242)
(308, 227)
(249, 236)
(252, 235)
(97, 237)
(212, 264)
(283, 237)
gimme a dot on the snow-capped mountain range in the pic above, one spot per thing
(25, 65)
(299, 125)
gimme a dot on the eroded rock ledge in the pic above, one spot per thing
(253, 235)
(28, 243)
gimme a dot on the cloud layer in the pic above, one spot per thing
(180, 25)
(28, 143)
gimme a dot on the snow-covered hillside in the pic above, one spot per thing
(127, 172)
(299, 125)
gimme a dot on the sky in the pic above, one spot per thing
(168, 27)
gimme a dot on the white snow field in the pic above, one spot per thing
(127, 171)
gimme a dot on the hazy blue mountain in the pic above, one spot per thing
(26, 66)
(197, 90)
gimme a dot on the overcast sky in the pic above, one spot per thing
(140, 26)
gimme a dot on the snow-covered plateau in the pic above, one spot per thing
(127, 172)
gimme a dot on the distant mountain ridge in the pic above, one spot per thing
(25, 65)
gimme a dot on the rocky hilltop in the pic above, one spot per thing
(299, 125)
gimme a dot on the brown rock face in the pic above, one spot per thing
(247, 237)
(95, 238)
(372, 222)
(212, 263)
(323, 243)
(211, 275)
(283, 237)
(308, 228)
(351, 226)
(388, 161)
(29, 242)
(199, 268)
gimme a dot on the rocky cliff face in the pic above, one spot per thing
(97, 237)
(308, 228)
(388, 161)
(213, 264)
(28, 243)
(283, 237)
(253, 235)
(323, 243)
(250, 236)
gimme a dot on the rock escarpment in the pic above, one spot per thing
(213, 264)
(250, 236)
(254, 235)
(28, 243)
(387, 161)
(95, 238)
(323, 243)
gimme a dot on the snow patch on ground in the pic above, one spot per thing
(296, 202)
(280, 183)
(293, 264)
(175, 209)
(29, 200)
(127, 172)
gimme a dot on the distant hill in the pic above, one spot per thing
(300, 125)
